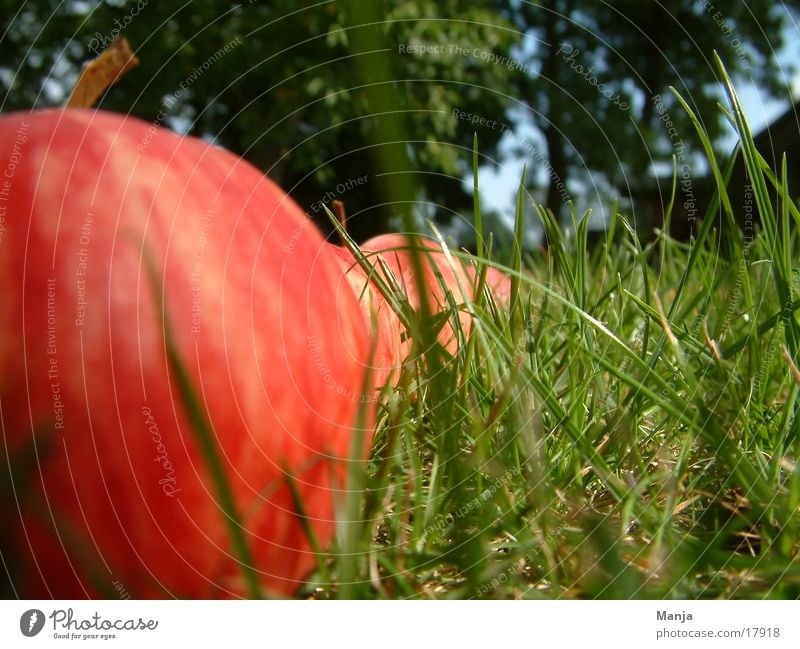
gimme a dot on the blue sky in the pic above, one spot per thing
(499, 182)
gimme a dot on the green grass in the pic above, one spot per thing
(626, 429)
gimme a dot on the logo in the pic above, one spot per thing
(31, 622)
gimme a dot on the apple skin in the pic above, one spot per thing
(109, 487)
(498, 282)
(391, 345)
(397, 251)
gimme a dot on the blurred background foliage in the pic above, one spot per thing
(288, 86)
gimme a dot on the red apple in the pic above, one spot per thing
(397, 252)
(498, 282)
(110, 488)
(391, 344)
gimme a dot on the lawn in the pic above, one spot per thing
(625, 428)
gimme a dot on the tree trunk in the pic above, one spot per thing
(555, 143)
(558, 172)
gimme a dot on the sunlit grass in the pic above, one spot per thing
(626, 428)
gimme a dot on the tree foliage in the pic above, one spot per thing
(294, 87)
(287, 94)
(600, 95)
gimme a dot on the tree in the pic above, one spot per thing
(298, 90)
(601, 97)
(279, 82)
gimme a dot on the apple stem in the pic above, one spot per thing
(338, 209)
(101, 73)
